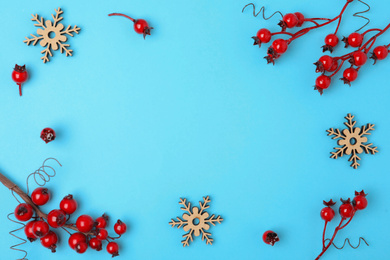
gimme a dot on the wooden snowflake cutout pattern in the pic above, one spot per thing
(352, 141)
(52, 35)
(196, 221)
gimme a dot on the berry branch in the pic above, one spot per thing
(88, 232)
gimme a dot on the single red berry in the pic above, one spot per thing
(48, 135)
(95, 244)
(40, 228)
(19, 75)
(102, 221)
(68, 204)
(140, 25)
(84, 223)
(102, 234)
(380, 53)
(355, 39)
(349, 75)
(28, 230)
(331, 40)
(280, 46)
(335, 65)
(360, 201)
(23, 212)
(81, 247)
(50, 241)
(40, 196)
(322, 82)
(56, 218)
(327, 214)
(113, 248)
(290, 20)
(300, 17)
(327, 62)
(359, 58)
(263, 36)
(270, 237)
(346, 210)
(76, 239)
(120, 227)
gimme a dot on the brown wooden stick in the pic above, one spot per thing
(13, 187)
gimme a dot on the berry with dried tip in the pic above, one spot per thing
(56, 218)
(113, 248)
(19, 75)
(354, 40)
(102, 234)
(325, 63)
(358, 59)
(140, 25)
(81, 247)
(23, 212)
(322, 82)
(68, 204)
(270, 237)
(48, 135)
(379, 53)
(262, 36)
(331, 40)
(40, 228)
(50, 241)
(102, 221)
(120, 227)
(28, 230)
(360, 201)
(301, 18)
(349, 75)
(327, 213)
(280, 46)
(84, 223)
(40, 196)
(95, 244)
(76, 239)
(346, 210)
(289, 20)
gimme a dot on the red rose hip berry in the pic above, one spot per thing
(360, 200)
(19, 75)
(24, 212)
(359, 58)
(40, 196)
(28, 230)
(263, 36)
(56, 218)
(102, 234)
(290, 20)
(280, 46)
(322, 82)
(354, 40)
(346, 210)
(120, 227)
(48, 135)
(50, 241)
(84, 223)
(76, 239)
(140, 25)
(113, 248)
(270, 237)
(379, 53)
(95, 244)
(300, 17)
(349, 75)
(40, 228)
(68, 204)
(81, 247)
(102, 221)
(331, 40)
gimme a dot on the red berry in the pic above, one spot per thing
(327, 214)
(56, 218)
(263, 35)
(360, 202)
(76, 239)
(380, 52)
(28, 230)
(81, 247)
(300, 17)
(40, 196)
(290, 20)
(68, 204)
(95, 243)
(323, 82)
(350, 74)
(280, 46)
(346, 210)
(113, 248)
(355, 39)
(48, 135)
(102, 234)
(40, 228)
(327, 62)
(50, 241)
(331, 40)
(23, 212)
(142, 27)
(84, 223)
(335, 65)
(120, 227)
(102, 221)
(19, 75)
(359, 58)
(270, 237)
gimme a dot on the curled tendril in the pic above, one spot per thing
(262, 9)
(42, 174)
(358, 14)
(14, 247)
(347, 240)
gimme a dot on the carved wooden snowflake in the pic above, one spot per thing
(52, 35)
(196, 221)
(352, 141)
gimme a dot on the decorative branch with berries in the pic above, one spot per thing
(325, 63)
(347, 211)
(88, 232)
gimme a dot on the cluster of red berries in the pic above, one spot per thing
(90, 232)
(347, 211)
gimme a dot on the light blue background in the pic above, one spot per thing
(193, 110)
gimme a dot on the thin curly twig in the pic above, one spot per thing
(262, 9)
(349, 242)
(358, 14)
(24, 241)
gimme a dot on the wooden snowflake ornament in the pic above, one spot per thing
(52, 35)
(352, 141)
(196, 221)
